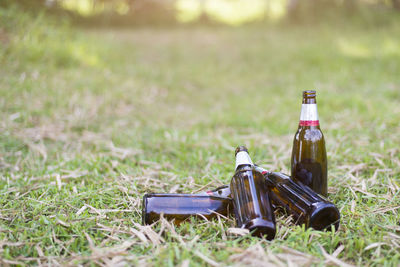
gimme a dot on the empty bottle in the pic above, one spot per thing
(309, 162)
(250, 195)
(306, 206)
(179, 207)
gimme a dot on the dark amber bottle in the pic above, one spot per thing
(250, 195)
(309, 162)
(306, 206)
(179, 207)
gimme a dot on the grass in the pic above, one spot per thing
(93, 119)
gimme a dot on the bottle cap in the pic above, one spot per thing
(241, 148)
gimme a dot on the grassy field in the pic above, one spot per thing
(93, 119)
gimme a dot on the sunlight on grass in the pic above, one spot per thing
(377, 48)
(354, 49)
(276, 9)
(83, 7)
(230, 12)
(80, 52)
(188, 10)
(391, 47)
(92, 7)
(236, 12)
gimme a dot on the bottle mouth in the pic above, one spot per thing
(309, 97)
(309, 93)
(262, 228)
(144, 210)
(240, 148)
(324, 217)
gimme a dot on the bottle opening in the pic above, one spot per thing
(309, 97)
(309, 93)
(241, 148)
(323, 219)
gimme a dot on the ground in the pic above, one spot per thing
(93, 119)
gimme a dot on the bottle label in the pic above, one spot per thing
(243, 158)
(309, 115)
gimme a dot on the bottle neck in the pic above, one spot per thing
(260, 169)
(243, 159)
(222, 191)
(309, 114)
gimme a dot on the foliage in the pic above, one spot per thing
(232, 12)
(28, 38)
(162, 111)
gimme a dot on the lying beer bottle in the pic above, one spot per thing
(250, 195)
(309, 163)
(306, 206)
(179, 207)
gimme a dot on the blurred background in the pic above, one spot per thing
(142, 72)
(230, 12)
(104, 100)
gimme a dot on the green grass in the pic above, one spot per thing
(113, 114)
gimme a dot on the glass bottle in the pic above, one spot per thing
(309, 163)
(179, 207)
(306, 206)
(250, 195)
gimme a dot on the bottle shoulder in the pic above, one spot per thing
(312, 134)
(247, 173)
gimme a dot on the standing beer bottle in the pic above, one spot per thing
(309, 163)
(251, 200)
(179, 207)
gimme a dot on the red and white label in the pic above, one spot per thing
(309, 115)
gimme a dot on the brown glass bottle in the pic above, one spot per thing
(250, 195)
(306, 206)
(179, 207)
(309, 162)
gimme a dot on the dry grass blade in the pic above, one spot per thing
(185, 263)
(11, 262)
(293, 256)
(39, 148)
(79, 212)
(152, 236)
(39, 251)
(238, 231)
(122, 153)
(58, 180)
(206, 259)
(140, 235)
(374, 245)
(255, 256)
(332, 259)
(364, 192)
(174, 188)
(172, 231)
(90, 241)
(63, 223)
(338, 251)
(384, 210)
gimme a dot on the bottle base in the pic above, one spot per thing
(262, 228)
